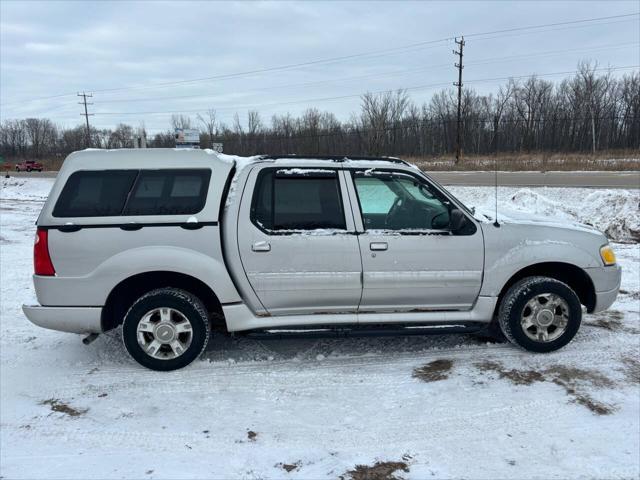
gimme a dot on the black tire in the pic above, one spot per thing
(17, 169)
(513, 305)
(181, 301)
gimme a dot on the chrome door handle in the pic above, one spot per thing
(261, 247)
(378, 246)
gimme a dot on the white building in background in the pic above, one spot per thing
(187, 138)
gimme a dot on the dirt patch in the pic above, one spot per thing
(62, 407)
(433, 371)
(251, 435)
(610, 320)
(378, 471)
(573, 380)
(596, 407)
(569, 375)
(631, 368)
(635, 295)
(289, 467)
(519, 377)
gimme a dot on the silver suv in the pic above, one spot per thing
(171, 244)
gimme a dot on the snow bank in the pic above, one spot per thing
(25, 188)
(612, 211)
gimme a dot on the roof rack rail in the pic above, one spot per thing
(334, 158)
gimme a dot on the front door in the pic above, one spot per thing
(299, 250)
(410, 258)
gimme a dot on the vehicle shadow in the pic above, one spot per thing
(240, 348)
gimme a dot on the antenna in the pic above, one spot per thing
(495, 182)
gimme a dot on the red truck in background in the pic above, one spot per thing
(28, 166)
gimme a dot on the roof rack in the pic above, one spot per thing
(334, 158)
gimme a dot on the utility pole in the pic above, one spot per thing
(458, 84)
(86, 115)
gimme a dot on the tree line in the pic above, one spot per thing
(587, 112)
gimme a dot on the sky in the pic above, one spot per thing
(143, 61)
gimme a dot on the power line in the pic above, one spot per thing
(336, 59)
(358, 55)
(360, 77)
(557, 24)
(376, 75)
(341, 97)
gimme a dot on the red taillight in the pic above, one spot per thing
(41, 260)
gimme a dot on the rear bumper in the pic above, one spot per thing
(65, 319)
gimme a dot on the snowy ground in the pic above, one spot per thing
(419, 407)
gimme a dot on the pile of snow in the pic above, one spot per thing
(616, 212)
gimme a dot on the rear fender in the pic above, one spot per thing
(93, 289)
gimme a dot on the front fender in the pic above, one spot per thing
(510, 248)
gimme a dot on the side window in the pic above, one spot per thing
(398, 201)
(95, 193)
(169, 192)
(376, 198)
(292, 199)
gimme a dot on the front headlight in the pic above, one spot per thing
(607, 255)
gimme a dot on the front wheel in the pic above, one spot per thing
(166, 329)
(540, 314)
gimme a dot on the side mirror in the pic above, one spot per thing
(457, 220)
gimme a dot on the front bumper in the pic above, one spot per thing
(65, 319)
(606, 281)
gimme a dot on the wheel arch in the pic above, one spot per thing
(130, 289)
(575, 277)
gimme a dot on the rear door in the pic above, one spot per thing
(411, 261)
(297, 241)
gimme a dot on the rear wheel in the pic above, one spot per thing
(540, 314)
(166, 329)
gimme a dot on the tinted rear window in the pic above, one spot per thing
(95, 193)
(298, 202)
(107, 193)
(168, 192)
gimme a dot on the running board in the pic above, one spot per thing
(364, 331)
(239, 318)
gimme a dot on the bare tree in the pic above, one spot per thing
(41, 134)
(208, 120)
(181, 121)
(589, 111)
